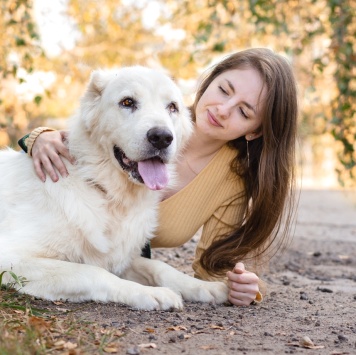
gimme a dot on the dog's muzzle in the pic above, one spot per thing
(151, 171)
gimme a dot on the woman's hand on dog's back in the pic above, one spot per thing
(47, 151)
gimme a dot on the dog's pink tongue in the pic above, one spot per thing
(154, 173)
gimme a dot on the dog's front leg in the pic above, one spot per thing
(157, 273)
(55, 279)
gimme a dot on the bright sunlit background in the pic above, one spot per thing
(49, 49)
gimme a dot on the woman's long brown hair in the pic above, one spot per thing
(268, 172)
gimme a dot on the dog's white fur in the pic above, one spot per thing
(81, 238)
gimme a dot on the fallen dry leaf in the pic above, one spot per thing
(313, 347)
(59, 343)
(39, 324)
(58, 303)
(217, 327)
(178, 327)
(293, 344)
(199, 331)
(69, 345)
(207, 347)
(118, 333)
(149, 330)
(148, 345)
(111, 350)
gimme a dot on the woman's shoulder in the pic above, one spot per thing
(220, 166)
(219, 172)
(225, 157)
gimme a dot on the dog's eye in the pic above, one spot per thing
(172, 107)
(128, 102)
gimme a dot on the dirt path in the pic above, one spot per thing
(312, 293)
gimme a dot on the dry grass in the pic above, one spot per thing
(25, 329)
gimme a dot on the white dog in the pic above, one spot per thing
(81, 238)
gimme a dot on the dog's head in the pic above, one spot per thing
(139, 117)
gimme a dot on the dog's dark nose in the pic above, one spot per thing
(160, 138)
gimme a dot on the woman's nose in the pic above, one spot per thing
(223, 110)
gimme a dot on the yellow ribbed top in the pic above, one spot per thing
(205, 201)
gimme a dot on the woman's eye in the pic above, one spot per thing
(172, 107)
(243, 113)
(223, 90)
(128, 102)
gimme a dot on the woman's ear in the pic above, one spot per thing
(253, 135)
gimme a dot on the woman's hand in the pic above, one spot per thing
(243, 285)
(46, 152)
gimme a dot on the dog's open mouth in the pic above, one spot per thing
(151, 172)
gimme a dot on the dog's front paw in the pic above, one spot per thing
(156, 298)
(205, 291)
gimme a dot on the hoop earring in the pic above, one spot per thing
(248, 155)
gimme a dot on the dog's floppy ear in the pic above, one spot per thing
(92, 96)
(97, 83)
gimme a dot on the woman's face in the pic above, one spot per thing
(231, 106)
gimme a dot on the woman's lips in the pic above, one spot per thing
(212, 120)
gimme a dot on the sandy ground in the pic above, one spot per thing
(312, 293)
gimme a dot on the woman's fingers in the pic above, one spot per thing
(245, 277)
(38, 169)
(56, 161)
(242, 294)
(240, 298)
(245, 288)
(243, 285)
(239, 268)
(47, 151)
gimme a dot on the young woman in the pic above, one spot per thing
(236, 175)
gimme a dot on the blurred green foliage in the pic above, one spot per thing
(20, 48)
(343, 122)
(340, 27)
